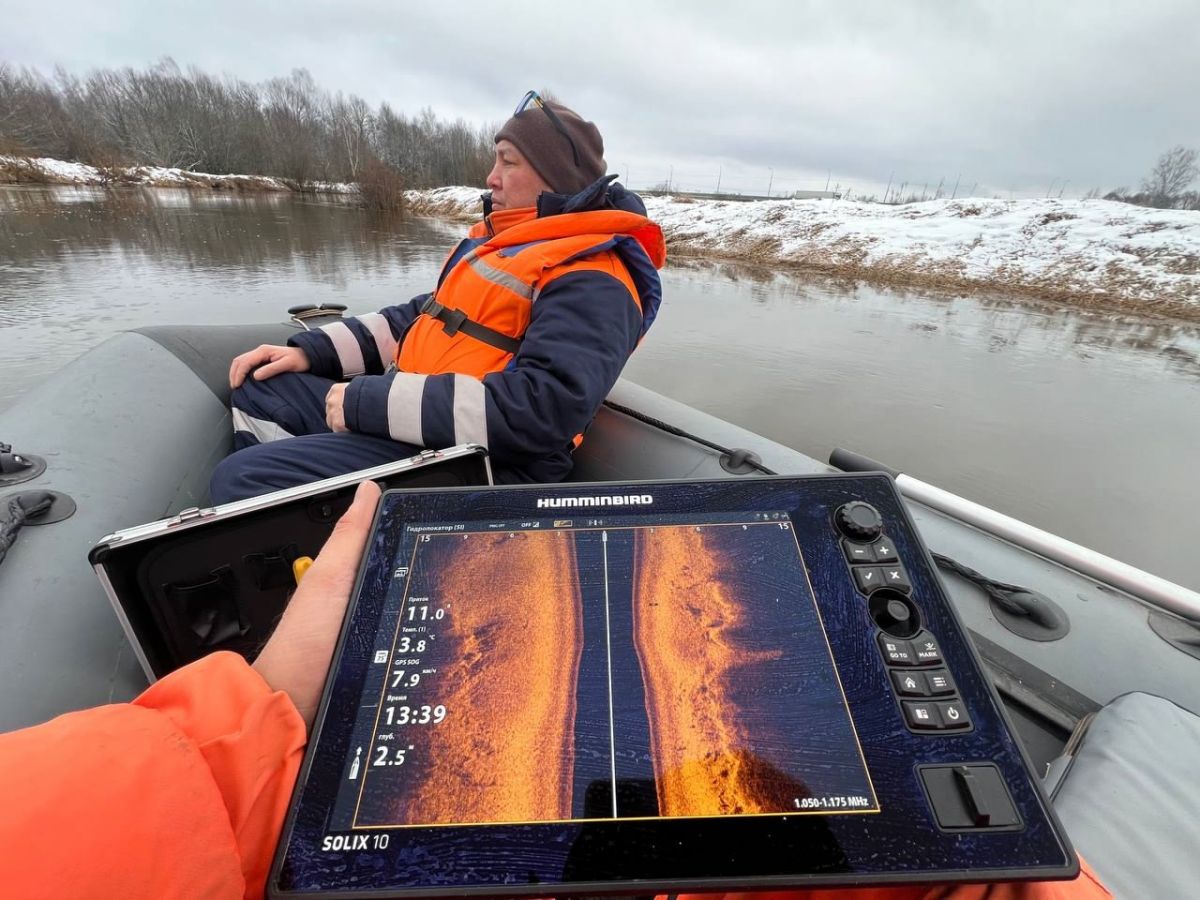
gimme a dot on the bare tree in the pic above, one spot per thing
(1171, 176)
(9, 96)
(352, 123)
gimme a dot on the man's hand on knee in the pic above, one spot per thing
(335, 413)
(266, 361)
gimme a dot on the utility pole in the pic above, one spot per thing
(888, 192)
(956, 180)
(1050, 189)
(719, 168)
(670, 179)
(828, 175)
(770, 182)
(1063, 188)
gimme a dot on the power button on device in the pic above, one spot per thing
(953, 714)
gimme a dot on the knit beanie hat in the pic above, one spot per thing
(535, 134)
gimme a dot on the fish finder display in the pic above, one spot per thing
(581, 669)
(654, 688)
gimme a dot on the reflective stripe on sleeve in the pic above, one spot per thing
(404, 408)
(470, 414)
(499, 276)
(382, 332)
(263, 430)
(345, 344)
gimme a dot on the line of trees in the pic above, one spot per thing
(293, 128)
(286, 127)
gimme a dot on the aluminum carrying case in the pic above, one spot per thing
(219, 577)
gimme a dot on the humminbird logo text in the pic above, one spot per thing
(629, 500)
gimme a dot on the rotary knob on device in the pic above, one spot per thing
(859, 521)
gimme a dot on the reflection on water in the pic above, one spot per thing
(1082, 423)
(1175, 342)
(79, 264)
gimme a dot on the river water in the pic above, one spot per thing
(1082, 423)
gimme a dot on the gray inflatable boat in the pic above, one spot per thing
(1098, 664)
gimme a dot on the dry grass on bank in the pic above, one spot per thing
(22, 170)
(1086, 254)
(16, 169)
(945, 279)
(455, 204)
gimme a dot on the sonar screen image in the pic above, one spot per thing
(507, 654)
(585, 673)
(724, 654)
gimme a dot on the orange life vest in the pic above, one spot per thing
(491, 281)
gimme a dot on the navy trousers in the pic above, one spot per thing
(280, 440)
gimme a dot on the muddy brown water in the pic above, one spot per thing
(1083, 423)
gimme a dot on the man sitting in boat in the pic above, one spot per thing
(533, 317)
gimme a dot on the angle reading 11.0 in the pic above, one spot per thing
(421, 613)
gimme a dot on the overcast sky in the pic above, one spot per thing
(1015, 96)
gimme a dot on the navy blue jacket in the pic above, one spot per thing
(582, 328)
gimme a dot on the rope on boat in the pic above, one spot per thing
(20, 509)
(737, 457)
(1039, 610)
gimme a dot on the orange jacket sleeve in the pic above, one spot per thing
(180, 793)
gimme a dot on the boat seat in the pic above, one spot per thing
(1127, 789)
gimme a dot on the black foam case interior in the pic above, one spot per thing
(223, 584)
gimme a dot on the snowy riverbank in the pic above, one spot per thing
(21, 170)
(1083, 252)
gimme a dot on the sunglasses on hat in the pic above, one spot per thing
(534, 98)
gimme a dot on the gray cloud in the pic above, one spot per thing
(1012, 94)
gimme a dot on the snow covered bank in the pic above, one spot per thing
(1084, 252)
(18, 170)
